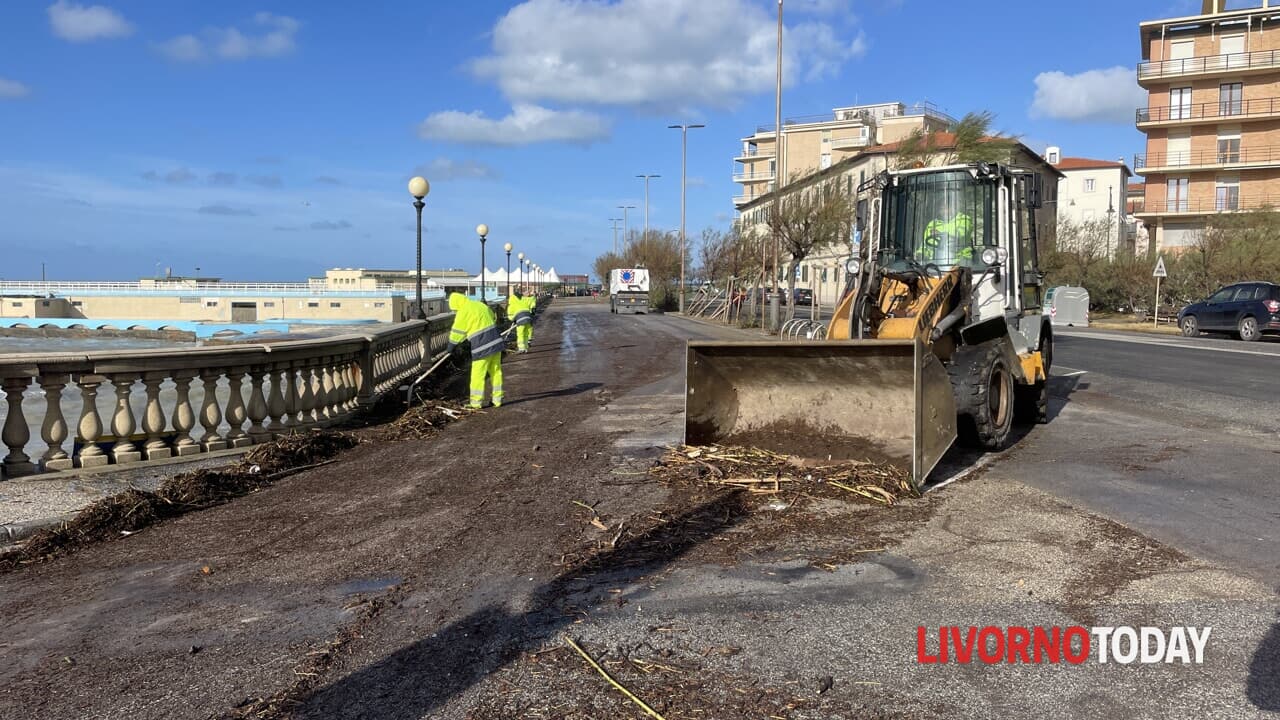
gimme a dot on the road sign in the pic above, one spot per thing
(1159, 272)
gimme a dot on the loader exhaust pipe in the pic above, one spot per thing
(880, 400)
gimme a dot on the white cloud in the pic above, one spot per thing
(12, 89)
(81, 23)
(526, 124)
(275, 38)
(1107, 95)
(443, 168)
(662, 54)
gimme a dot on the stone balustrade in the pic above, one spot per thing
(133, 406)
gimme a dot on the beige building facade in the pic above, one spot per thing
(1092, 190)
(815, 143)
(1212, 118)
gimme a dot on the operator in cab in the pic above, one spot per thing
(947, 239)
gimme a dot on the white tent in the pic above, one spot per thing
(490, 276)
(552, 278)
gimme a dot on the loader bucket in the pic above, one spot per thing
(880, 400)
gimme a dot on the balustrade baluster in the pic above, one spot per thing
(89, 428)
(122, 422)
(257, 406)
(184, 418)
(326, 377)
(210, 414)
(317, 392)
(54, 428)
(306, 397)
(275, 401)
(236, 436)
(16, 434)
(153, 419)
(289, 379)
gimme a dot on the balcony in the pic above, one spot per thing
(1223, 202)
(1233, 64)
(754, 152)
(1207, 160)
(740, 200)
(1261, 108)
(746, 177)
(849, 143)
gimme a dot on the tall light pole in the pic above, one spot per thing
(684, 157)
(520, 262)
(418, 188)
(780, 174)
(624, 209)
(614, 222)
(483, 231)
(646, 203)
(507, 247)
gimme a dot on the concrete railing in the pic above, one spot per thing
(166, 403)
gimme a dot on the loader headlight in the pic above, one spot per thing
(994, 256)
(853, 266)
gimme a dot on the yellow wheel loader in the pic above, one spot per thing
(939, 334)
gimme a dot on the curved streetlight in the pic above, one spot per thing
(418, 188)
(483, 231)
(507, 247)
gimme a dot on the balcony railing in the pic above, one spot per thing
(743, 199)
(752, 176)
(1222, 202)
(754, 151)
(1243, 156)
(875, 113)
(849, 142)
(1261, 60)
(1262, 107)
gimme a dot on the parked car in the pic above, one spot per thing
(803, 296)
(1246, 309)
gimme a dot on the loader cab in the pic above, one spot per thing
(938, 217)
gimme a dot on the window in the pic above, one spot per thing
(313, 304)
(268, 303)
(1180, 103)
(804, 273)
(1244, 293)
(1227, 193)
(335, 304)
(1223, 295)
(1089, 185)
(1231, 45)
(211, 303)
(1178, 148)
(76, 303)
(15, 304)
(1176, 199)
(825, 161)
(379, 304)
(1230, 98)
(1229, 145)
(188, 300)
(826, 137)
(1054, 158)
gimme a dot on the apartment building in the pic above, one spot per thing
(1093, 190)
(814, 143)
(1212, 118)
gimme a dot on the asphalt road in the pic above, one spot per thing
(1176, 437)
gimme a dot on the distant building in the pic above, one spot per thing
(1211, 118)
(1092, 190)
(814, 143)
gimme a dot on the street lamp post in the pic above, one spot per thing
(624, 209)
(483, 231)
(684, 157)
(520, 262)
(780, 177)
(613, 222)
(507, 247)
(646, 203)
(418, 188)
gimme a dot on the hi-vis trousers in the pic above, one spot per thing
(491, 368)
(524, 334)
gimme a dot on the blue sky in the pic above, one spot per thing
(268, 141)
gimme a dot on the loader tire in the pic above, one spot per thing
(983, 385)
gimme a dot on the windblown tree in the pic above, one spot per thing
(807, 220)
(659, 253)
(970, 139)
